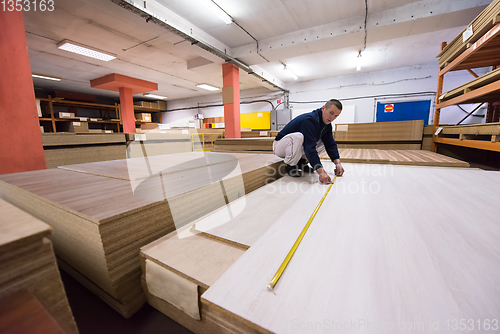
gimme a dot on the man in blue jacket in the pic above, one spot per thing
(307, 135)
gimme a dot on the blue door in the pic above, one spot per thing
(403, 111)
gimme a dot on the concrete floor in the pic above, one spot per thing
(93, 316)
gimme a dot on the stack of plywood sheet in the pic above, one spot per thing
(488, 18)
(260, 145)
(406, 253)
(472, 85)
(254, 134)
(28, 262)
(102, 213)
(427, 139)
(487, 131)
(403, 135)
(396, 157)
(70, 148)
(157, 143)
(180, 267)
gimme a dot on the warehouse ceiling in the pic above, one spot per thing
(172, 42)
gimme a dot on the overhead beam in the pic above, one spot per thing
(410, 12)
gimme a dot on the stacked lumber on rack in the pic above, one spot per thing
(75, 148)
(488, 18)
(100, 222)
(396, 157)
(258, 145)
(254, 134)
(472, 85)
(403, 135)
(28, 262)
(485, 132)
(364, 261)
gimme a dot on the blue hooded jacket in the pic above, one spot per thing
(313, 128)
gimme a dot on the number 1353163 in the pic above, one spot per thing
(27, 5)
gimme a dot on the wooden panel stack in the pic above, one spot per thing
(254, 134)
(359, 264)
(28, 262)
(100, 222)
(259, 145)
(403, 135)
(156, 143)
(70, 148)
(397, 157)
(427, 139)
(480, 25)
(484, 132)
(472, 85)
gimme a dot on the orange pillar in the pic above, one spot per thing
(127, 105)
(21, 147)
(231, 100)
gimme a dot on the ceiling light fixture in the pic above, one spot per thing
(207, 87)
(358, 62)
(43, 76)
(217, 10)
(286, 68)
(154, 96)
(85, 50)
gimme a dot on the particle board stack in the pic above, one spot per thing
(472, 85)
(427, 139)
(487, 131)
(157, 143)
(396, 157)
(260, 145)
(480, 25)
(100, 222)
(403, 135)
(70, 148)
(363, 261)
(28, 262)
(254, 134)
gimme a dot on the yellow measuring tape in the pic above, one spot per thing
(287, 259)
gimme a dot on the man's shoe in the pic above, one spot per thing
(304, 166)
(293, 171)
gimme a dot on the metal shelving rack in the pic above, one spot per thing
(484, 52)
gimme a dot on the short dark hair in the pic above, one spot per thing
(335, 103)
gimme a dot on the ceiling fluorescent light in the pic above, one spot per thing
(85, 50)
(154, 96)
(43, 76)
(207, 87)
(286, 68)
(358, 62)
(218, 11)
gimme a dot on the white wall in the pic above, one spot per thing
(362, 91)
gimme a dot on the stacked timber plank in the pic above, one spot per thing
(28, 263)
(157, 143)
(254, 134)
(477, 83)
(487, 131)
(103, 214)
(427, 138)
(365, 262)
(260, 145)
(403, 135)
(75, 148)
(480, 25)
(396, 157)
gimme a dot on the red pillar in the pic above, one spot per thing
(21, 147)
(127, 108)
(231, 100)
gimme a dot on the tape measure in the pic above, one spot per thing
(285, 262)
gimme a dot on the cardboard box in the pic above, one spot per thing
(66, 115)
(143, 117)
(79, 127)
(143, 104)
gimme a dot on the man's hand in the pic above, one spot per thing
(323, 176)
(338, 167)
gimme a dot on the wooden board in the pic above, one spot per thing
(395, 253)
(101, 222)
(83, 154)
(28, 262)
(472, 129)
(397, 157)
(371, 133)
(72, 139)
(482, 81)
